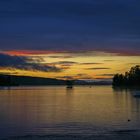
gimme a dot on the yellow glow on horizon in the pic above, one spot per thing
(86, 66)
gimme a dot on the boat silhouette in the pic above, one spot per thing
(69, 84)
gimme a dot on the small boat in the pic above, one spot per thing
(136, 94)
(69, 84)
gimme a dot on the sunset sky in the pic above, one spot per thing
(80, 39)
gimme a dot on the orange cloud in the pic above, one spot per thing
(29, 52)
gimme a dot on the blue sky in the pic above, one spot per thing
(101, 25)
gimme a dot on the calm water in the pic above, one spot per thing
(56, 113)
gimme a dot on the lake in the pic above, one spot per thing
(57, 113)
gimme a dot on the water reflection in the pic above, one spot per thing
(125, 97)
(69, 91)
(57, 110)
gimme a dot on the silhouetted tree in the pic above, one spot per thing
(131, 77)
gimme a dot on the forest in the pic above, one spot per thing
(130, 78)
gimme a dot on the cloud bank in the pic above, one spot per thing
(19, 62)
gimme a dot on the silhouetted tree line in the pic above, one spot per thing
(5, 80)
(130, 78)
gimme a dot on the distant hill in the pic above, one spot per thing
(101, 82)
(11, 80)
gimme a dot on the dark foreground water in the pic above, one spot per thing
(57, 113)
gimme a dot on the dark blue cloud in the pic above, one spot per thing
(19, 62)
(70, 25)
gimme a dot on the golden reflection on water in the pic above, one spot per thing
(101, 106)
(57, 110)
